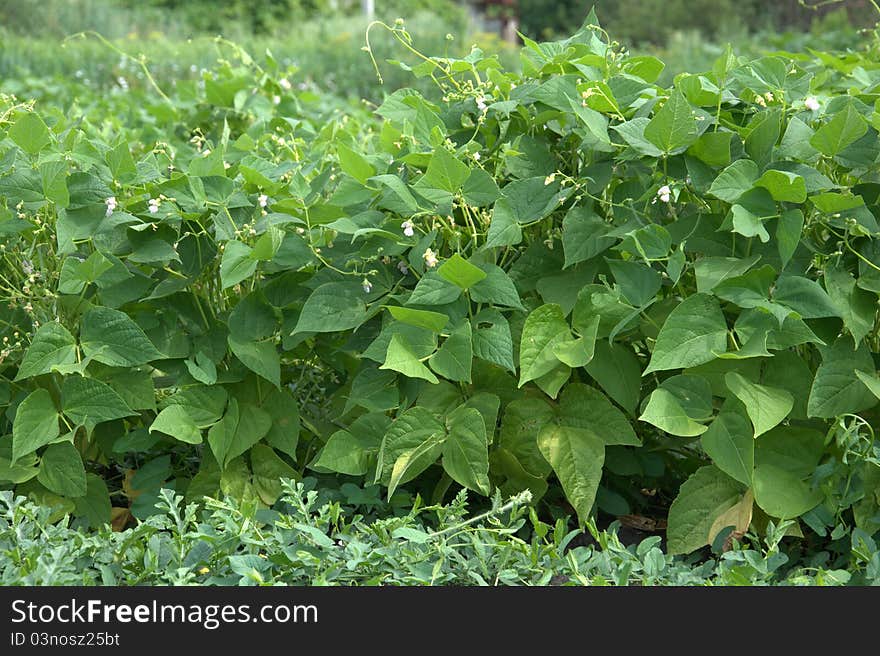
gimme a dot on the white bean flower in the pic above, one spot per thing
(111, 205)
(664, 193)
(408, 228)
(811, 103)
(154, 205)
(430, 258)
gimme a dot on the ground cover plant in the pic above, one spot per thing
(644, 301)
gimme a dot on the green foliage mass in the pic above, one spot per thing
(566, 279)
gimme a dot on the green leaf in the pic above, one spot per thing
(584, 235)
(30, 133)
(504, 230)
(176, 422)
(400, 358)
(710, 271)
(731, 445)
(204, 403)
(354, 164)
(586, 408)
(735, 180)
(520, 425)
(576, 456)
(455, 356)
(267, 246)
(414, 461)
(544, 328)
(412, 428)
(332, 307)
(704, 497)
(665, 412)
(52, 345)
(111, 337)
(496, 288)
(747, 224)
(794, 449)
(260, 357)
(460, 272)
(871, 382)
(54, 175)
(268, 470)
(445, 171)
(88, 401)
(618, 372)
(675, 126)
(202, 368)
(855, 305)
(836, 388)
(713, 148)
(804, 296)
(692, 334)
(466, 450)
(433, 290)
(62, 471)
(783, 186)
(788, 234)
(95, 505)
(766, 406)
(35, 425)
(242, 426)
(633, 132)
(433, 321)
(843, 129)
(780, 493)
(238, 263)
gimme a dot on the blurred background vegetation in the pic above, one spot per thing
(321, 40)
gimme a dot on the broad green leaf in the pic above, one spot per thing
(62, 471)
(35, 425)
(618, 372)
(414, 461)
(412, 428)
(496, 288)
(731, 445)
(332, 307)
(788, 234)
(87, 401)
(111, 337)
(95, 505)
(433, 290)
(465, 451)
(675, 126)
(705, 496)
(638, 283)
(268, 470)
(665, 412)
(804, 296)
(576, 352)
(633, 132)
(794, 449)
(284, 433)
(242, 426)
(784, 186)
(855, 305)
(713, 148)
(870, 381)
(205, 404)
(353, 451)
(504, 230)
(710, 271)
(445, 171)
(576, 456)
(692, 334)
(30, 133)
(238, 263)
(54, 175)
(433, 321)
(747, 224)
(735, 180)
(779, 493)
(454, 358)
(202, 368)
(766, 406)
(52, 345)
(843, 129)
(520, 425)
(694, 394)
(260, 357)
(354, 164)
(836, 388)
(544, 328)
(584, 235)
(492, 339)
(584, 407)
(401, 358)
(267, 246)
(175, 421)
(460, 272)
